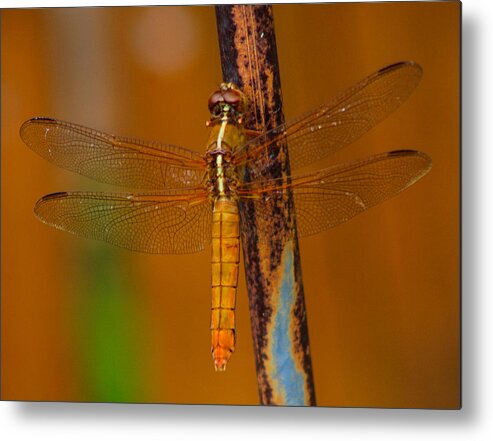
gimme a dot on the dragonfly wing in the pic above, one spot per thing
(112, 159)
(330, 127)
(332, 196)
(174, 222)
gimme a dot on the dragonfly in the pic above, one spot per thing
(183, 201)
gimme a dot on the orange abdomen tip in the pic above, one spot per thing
(223, 343)
(221, 358)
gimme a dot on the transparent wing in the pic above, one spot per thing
(112, 159)
(174, 222)
(332, 196)
(330, 127)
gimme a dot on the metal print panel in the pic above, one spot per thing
(183, 280)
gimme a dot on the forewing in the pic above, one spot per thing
(174, 222)
(332, 196)
(330, 127)
(113, 159)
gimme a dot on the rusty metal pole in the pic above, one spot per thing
(272, 264)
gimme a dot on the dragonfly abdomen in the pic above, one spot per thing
(225, 265)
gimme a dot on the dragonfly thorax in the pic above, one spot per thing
(226, 105)
(222, 174)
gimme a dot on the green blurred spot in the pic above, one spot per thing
(111, 336)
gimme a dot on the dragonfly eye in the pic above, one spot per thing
(236, 99)
(214, 103)
(232, 97)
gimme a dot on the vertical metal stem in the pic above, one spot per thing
(272, 261)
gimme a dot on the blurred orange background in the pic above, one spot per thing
(84, 321)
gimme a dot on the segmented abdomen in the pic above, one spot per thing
(225, 264)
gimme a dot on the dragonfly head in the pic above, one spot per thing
(229, 101)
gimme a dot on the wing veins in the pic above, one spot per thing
(329, 197)
(112, 159)
(384, 90)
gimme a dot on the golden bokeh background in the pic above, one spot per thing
(84, 321)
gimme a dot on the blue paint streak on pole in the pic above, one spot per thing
(290, 380)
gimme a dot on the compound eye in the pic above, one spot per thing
(232, 97)
(214, 100)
